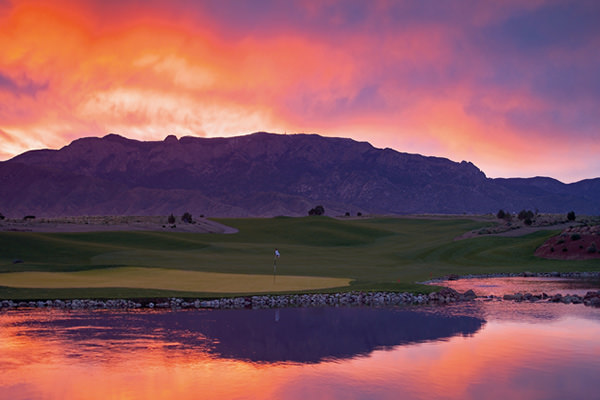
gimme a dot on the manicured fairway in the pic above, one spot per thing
(158, 278)
(365, 254)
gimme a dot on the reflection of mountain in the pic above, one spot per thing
(292, 334)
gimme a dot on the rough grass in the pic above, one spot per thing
(375, 254)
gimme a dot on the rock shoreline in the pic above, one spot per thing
(444, 296)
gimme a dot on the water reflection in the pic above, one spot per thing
(534, 285)
(287, 335)
(526, 350)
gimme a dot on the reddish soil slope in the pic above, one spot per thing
(577, 243)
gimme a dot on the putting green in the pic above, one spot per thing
(167, 279)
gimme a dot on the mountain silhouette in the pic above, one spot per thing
(265, 174)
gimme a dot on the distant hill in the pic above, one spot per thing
(265, 174)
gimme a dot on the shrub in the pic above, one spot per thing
(525, 214)
(347, 214)
(571, 215)
(1, 217)
(171, 219)
(29, 217)
(187, 218)
(575, 236)
(501, 214)
(528, 221)
(592, 248)
(359, 214)
(318, 210)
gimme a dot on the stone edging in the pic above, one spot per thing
(444, 296)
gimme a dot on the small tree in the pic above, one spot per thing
(347, 214)
(171, 219)
(501, 214)
(1, 216)
(571, 215)
(187, 218)
(525, 214)
(318, 210)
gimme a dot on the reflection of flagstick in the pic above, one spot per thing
(274, 268)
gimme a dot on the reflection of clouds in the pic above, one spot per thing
(534, 285)
(503, 360)
(531, 312)
(293, 334)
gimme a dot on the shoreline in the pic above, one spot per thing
(526, 274)
(350, 299)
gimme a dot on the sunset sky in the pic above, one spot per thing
(512, 86)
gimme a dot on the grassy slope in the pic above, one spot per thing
(386, 253)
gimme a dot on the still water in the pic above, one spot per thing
(480, 350)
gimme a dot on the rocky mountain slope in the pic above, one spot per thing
(264, 175)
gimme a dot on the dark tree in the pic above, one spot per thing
(171, 219)
(1, 216)
(318, 210)
(347, 214)
(501, 214)
(525, 214)
(359, 214)
(187, 218)
(571, 216)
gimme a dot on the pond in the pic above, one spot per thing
(499, 286)
(492, 350)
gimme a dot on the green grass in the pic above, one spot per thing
(374, 254)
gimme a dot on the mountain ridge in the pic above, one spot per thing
(265, 174)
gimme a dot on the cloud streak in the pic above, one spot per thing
(511, 87)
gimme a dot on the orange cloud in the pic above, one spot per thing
(394, 74)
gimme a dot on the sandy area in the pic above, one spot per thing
(112, 223)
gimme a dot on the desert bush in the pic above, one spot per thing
(592, 248)
(501, 214)
(171, 219)
(347, 214)
(187, 218)
(575, 236)
(525, 214)
(359, 214)
(318, 210)
(571, 215)
(29, 217)
(1, 216)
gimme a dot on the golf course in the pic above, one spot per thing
(318, 254)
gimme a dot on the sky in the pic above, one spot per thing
(512, 86)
